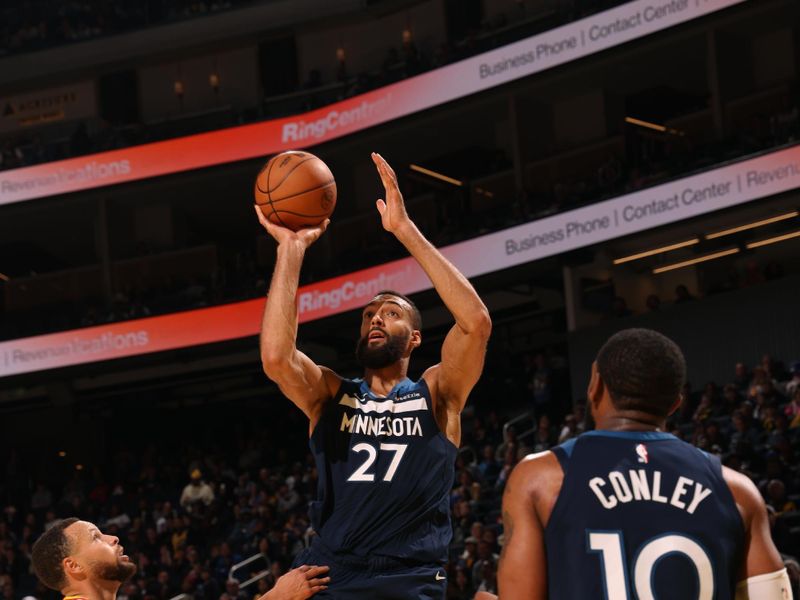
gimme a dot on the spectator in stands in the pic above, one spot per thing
(705, 410)
(470, 554)
(653, 303)
(741, 377)
(744, 437)
(544, 438)
(619, 308)
(793, 409)
(569, 430)
(793, 384)
(540, 384)
(487, 576)
(777, 499)
(509, 441)
(197, 495)
(488, 467)
(460, 584)
(730, 398)
(41, 499)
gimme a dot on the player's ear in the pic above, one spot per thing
(416, 338)
(675, 405)
(71, 567)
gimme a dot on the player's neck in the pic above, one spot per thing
(92, 590)
(381, 381)
(630, 421)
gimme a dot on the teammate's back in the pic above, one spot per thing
(628, 511)
(642, 514)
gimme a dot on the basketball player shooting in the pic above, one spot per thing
(75, 558)
(630, 511)
(384, 445)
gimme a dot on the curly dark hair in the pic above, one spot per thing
(643, 370)
(49, 552)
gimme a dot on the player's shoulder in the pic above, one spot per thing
(745, 493)
(534, 472)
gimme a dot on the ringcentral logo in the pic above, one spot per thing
(352, 290)
(297, 131)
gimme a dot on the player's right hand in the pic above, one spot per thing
(306, 236)
(299, 584)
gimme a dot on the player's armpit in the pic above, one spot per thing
(462, 363)
(761, 555)
(523, 562)
(304, 382)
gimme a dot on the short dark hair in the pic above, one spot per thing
(416, 316)
(49, 552)
(643, 370)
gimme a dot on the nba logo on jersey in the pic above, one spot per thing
(641, 450)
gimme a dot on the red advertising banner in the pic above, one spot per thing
(671, 202)
(496, 67)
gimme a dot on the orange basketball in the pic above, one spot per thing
(296, 190)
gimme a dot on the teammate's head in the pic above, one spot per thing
(390, 330)
(642, 370)
(72, 551)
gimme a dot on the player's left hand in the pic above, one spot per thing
(299, 584)
(392, 210)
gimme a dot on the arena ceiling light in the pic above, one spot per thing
(773, 240)
(646, 253)
(753, 225)
(694, 261)
(435, 175)
(653, 126)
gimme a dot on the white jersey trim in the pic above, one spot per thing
(383, 406)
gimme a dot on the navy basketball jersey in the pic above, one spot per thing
(385, 474)
(642, 515)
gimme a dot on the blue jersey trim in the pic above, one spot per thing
(632, 435)
(400, 385)
(568, 447)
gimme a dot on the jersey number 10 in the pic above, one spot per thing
(615, 577)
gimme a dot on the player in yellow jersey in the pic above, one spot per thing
(75, 558)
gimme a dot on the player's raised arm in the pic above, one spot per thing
(299, 378)
(522, 572)
(763, 575)
(464, 347)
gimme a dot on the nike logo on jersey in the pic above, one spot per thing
(641, 485)
(440, 577)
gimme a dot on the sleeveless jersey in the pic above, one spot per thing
(642, 515)
(385, 474)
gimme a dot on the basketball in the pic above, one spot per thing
(295, 190)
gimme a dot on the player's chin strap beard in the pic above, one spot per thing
(117, 572)
(384, 355)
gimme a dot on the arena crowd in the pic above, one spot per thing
(189, 507)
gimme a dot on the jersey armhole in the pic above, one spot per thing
(563, 453)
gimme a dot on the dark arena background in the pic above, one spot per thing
(589, 165)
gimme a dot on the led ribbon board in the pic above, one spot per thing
(490, 69)
(671, 202)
